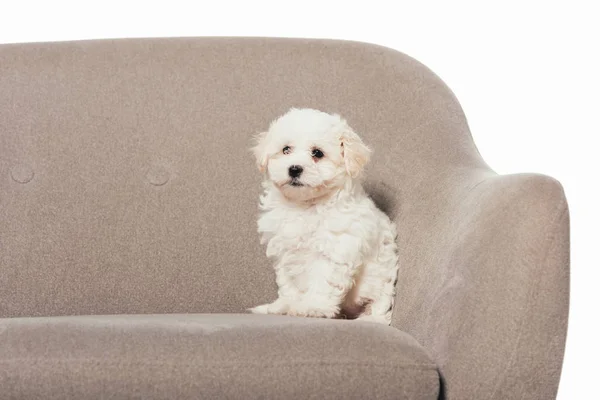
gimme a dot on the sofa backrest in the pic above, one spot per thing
(126, 184)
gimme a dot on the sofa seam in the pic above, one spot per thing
(218, 365)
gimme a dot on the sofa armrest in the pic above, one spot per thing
(494, 316)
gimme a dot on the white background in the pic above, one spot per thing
(526, 73)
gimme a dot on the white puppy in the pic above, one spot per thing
(334, 250)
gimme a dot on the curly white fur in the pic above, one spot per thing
(334, 250)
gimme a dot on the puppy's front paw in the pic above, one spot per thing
(277, 307)
(262, 309)
(309, 310)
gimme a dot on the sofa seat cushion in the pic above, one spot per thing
(225, 356)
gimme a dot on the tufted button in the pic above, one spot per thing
(21, 173)
(158, 175)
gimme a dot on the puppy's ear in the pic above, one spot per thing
(260, 152)
(356, 154)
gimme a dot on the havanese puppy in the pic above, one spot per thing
(334, 250)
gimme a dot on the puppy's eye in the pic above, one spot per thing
(287, 150)
(316, 153)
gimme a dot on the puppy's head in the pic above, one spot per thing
(308, 153)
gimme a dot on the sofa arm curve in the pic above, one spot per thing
(495, 315)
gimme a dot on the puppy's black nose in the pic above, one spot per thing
(295, 171)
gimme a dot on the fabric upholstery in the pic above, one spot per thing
(214, 356)
(126, 187)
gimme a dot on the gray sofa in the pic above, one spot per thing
(128, 245)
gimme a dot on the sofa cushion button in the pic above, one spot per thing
(158, 176)
(21, 173)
